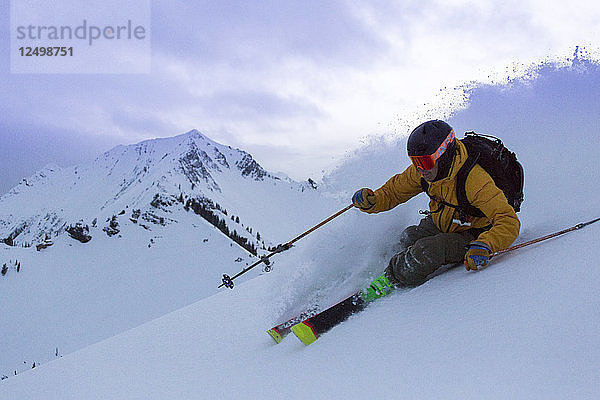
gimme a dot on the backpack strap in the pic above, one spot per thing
(466, 208)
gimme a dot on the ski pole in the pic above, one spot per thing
(227, 281)
(573, 228)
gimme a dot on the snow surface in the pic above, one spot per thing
(73, 294)
(525, 327)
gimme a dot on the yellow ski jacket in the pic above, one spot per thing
(482, 193)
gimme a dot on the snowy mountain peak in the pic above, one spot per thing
(196, 134)
(147, 183)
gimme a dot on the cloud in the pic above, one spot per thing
(28, 148)
(248, 104)
(259, 33)
(308, 80)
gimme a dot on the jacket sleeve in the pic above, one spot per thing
(398, 189)
(491, 201)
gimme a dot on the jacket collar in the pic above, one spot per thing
(460, 157)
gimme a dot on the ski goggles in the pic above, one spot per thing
(427, 162)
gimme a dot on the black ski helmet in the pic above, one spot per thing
(426, 138)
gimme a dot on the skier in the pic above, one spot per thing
(445, 235)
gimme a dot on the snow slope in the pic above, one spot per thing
(73, 294)
(525, 327)
(521, 329)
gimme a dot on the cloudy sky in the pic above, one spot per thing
(297, 84)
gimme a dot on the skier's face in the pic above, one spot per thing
(429, 174)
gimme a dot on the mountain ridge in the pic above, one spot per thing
(186, 166)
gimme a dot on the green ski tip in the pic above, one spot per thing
(305, 333)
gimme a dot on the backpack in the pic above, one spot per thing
(498, 161)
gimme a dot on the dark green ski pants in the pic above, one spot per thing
(426, 249)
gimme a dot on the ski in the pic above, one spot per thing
(313, 327)
(279, 332)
